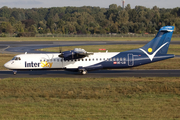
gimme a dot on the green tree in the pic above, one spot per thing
(42, 13)
(124, 29)
(113, 6)
(155, 8)
(5, 12)
(102, 31)
(123, 17)
(87, 19)
(32, 28)
(128, 7)
(42, 25)
(50, 23)
(28, 22)
(71, 28)
(111, 14)
(5, 27)
(60, 23)
(19, 15)
(114, 28)
(133, 16)
(32, 15)
(47, 30)
(56, 18)
(12, 21)
(19, 27)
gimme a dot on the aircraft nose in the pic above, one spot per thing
(7, 65)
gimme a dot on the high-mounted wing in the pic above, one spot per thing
(74, 54)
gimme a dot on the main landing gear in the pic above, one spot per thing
(83, 72)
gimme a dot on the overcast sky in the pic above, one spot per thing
(78, 3)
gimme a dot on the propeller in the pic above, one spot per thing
(60, 51)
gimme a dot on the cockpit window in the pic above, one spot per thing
(16, 58)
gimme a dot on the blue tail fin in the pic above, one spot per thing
(160, 43)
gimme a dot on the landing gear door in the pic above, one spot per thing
(130, 60)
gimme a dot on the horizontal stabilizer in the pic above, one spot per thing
(167, 28)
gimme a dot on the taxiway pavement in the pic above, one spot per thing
(93, 74)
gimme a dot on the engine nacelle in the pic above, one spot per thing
(74, 54)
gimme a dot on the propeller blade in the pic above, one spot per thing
(60, 50)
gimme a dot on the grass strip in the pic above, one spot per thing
(90, 98)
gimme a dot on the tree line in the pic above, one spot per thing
(87, 20)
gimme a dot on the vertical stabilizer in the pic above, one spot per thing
(160, 44)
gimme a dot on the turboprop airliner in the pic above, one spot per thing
(79, 60)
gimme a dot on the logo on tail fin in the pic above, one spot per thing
(152, 56)
(150, 50)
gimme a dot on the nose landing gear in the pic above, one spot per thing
(14, 72)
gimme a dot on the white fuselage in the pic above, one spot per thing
(53, 61)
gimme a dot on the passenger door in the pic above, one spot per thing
(130, 60)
